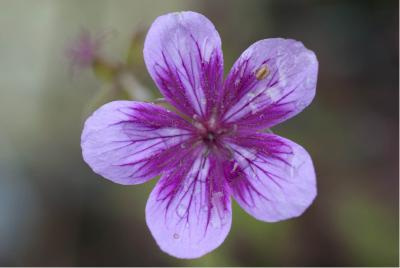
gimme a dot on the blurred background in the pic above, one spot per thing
(54, 211)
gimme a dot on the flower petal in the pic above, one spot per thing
(189, 210)
(130, 142)
(271, 178)
(273, 80)
(183, 55)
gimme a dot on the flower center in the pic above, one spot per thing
(209, 137)
(208, 131)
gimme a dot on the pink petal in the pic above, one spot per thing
(273, 80)
(183, 55)
(189, 210)
(130, 142)
(272, 178)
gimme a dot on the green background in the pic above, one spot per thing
(54, 211)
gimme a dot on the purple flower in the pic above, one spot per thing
(215, 148)
(84, 50)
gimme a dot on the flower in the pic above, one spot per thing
(213, 148)
(83, 51)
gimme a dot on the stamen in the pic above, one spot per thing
(213, 119)
(262, 72)
(199, 126)
(234, 128)
(235, 166)
(212, 122)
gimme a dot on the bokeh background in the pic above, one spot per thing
(54, 211)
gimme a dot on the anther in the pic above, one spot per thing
(262, 72)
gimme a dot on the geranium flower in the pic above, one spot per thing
(213, 148)
(84, 50)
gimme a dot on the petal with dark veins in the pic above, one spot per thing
(183, 55)
(271, 178)
(130, 142)
(189, 210)
(273, 80)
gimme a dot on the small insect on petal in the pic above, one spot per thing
(262, 72)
